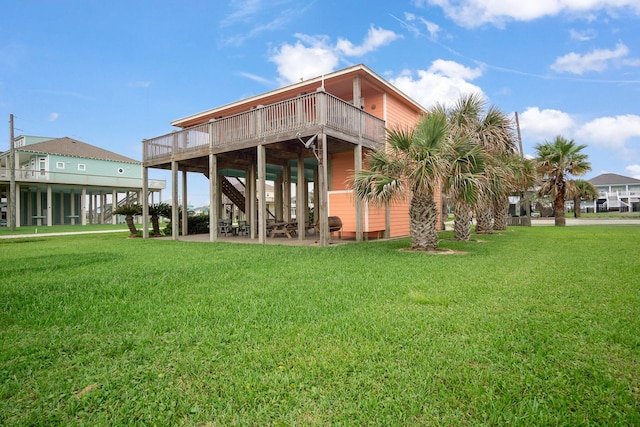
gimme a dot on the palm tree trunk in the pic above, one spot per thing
(462, 221)
(484, 217)
(558, 207)
(576, 207)
(500, 212)
(155, 222)
(132, 228)
(423, 216)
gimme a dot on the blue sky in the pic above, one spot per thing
(111, 73)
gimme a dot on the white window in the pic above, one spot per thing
(42, 165)
(82, 167)
(59, 165)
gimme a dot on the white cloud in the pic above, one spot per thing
(376, 37)
(53, 117)
(242, 10)
(474, 13)
(582, 36)
(610, 132)
(454, 70)
(614, 134)
(443, 82)
(312, 56)
(256, 78)
(305, 60)
(432, 28)
(633, 170)
(545, 125)
(597, 60)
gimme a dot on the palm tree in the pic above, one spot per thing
(493, 131)
(415, 161)
(156, 211)
(464, 183)
(580, 189)
(555, 161)
(518, 173)
(130, 211)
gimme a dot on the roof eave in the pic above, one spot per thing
(319, 79)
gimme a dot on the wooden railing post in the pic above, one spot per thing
(321, 106)
(174, 143)
(212, 135)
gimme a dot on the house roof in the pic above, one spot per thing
(613, 179)
(340, 81)
(70, 147)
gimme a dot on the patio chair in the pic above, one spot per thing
(224, 227)
(244, 228)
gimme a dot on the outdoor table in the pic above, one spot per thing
(280, 228)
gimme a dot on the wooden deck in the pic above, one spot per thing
(304, 115)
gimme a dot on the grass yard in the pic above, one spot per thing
(32, 229)
(534, 326)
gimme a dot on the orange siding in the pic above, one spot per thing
(342, 165)
(374, 218)
(342, 204)
(374, 104)
(400, 218)
(399, 114)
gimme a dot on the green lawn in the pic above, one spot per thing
(534, 326)
(6, 231)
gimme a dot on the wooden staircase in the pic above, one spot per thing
(235, 195)
(232, 193)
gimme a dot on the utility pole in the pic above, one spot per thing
(12, 179)
(527, 206)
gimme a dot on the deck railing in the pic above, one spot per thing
(55, 177)
(282, 118)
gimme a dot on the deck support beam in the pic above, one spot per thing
(300, 198)
(83, 206)
(185, 218)
(145, 203)
(49, 206)
(175, 216)
(251, 200)
(38, 207)
(323, 190)
(316, 197)
(214, 197)
(286, 192)
(262, 200)
(72, 206)
(278, 198)
(357, 156)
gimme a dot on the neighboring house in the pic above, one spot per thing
(617, 193)
(65, 181)
(317, 131)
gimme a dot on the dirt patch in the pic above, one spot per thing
(87, 389)
(438, 251)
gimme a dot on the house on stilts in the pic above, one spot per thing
(316, 131)
(63, 181)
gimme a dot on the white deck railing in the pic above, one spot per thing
(71, 178)
(282, 118)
